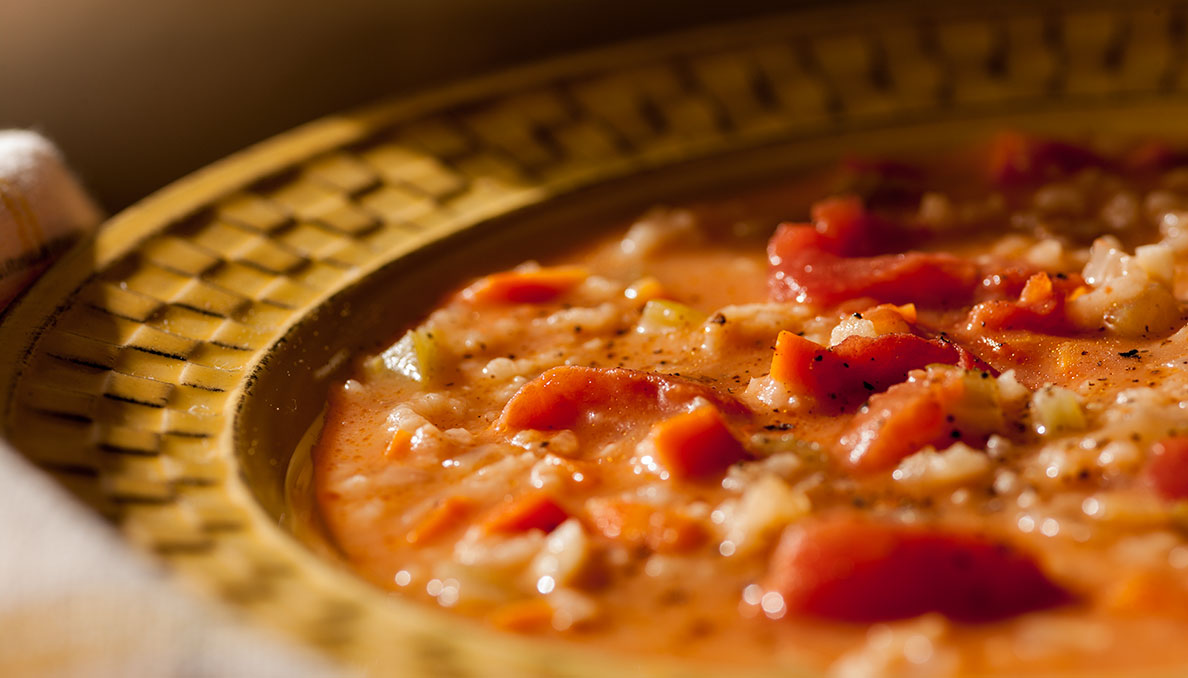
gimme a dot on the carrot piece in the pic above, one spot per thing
(522, 615)
(563, 398)
(646, 289)
(399, 446)
(440, 519)
(908, 311)
(1037, 291)
(696, 444)
(792, 363)
(532, 511)
(525, 287)
(640, 524)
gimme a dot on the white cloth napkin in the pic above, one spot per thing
(43, 209)
(75, 602)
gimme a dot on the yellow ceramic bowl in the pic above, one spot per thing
(166, 370)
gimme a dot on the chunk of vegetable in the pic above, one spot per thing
(660, 315)
(530, 286)
(575, 397)
(696, 445)
(418, 355)
(1167, 468)
(936, 408)
(645, 289)
(859, 366)
(1019, 159)
(829, 262)
(875, 322)
(662, 530)
(531, 511)
(440, 519)
(399, 446)
(1056, 410)
(805, 273)
(881, 181)
(522, 615)
(855, 570)
(1040, 307)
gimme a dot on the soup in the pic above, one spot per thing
(921, 416)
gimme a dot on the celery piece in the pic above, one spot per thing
(417, 356)
(1056, 410)
(660, 315)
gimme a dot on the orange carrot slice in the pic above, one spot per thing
(440, 519)
(522, 615)
(696, 444)
(399, 446)
(792, 363)
(532, 511)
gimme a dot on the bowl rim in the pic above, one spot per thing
(36, 313)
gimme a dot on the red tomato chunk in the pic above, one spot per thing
(858, 367)
(1019, 159)
(927, 410)
(1167, 468)
(854, 570)
(525, 287)
(1040, 307)
(827, 262)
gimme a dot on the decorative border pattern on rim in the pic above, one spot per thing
(124, 365)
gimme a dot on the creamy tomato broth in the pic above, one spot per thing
(932, 423)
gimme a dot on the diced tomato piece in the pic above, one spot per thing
(1019, 159)
(881, 181)
(1040, 308)
(532, 511)
(697, 444)
(802, 270)
(1004, 282)
(525, 287)
(858, 367)
(831, 261)
(440, 519)
(842, 221)
(639, 524)
(572, 396)
(399, 446)
(886, 360)
(1167, 468)
(906, 311)
(908, 416)
(854, 570)
(1154, 156)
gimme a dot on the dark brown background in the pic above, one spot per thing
(141, 92)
